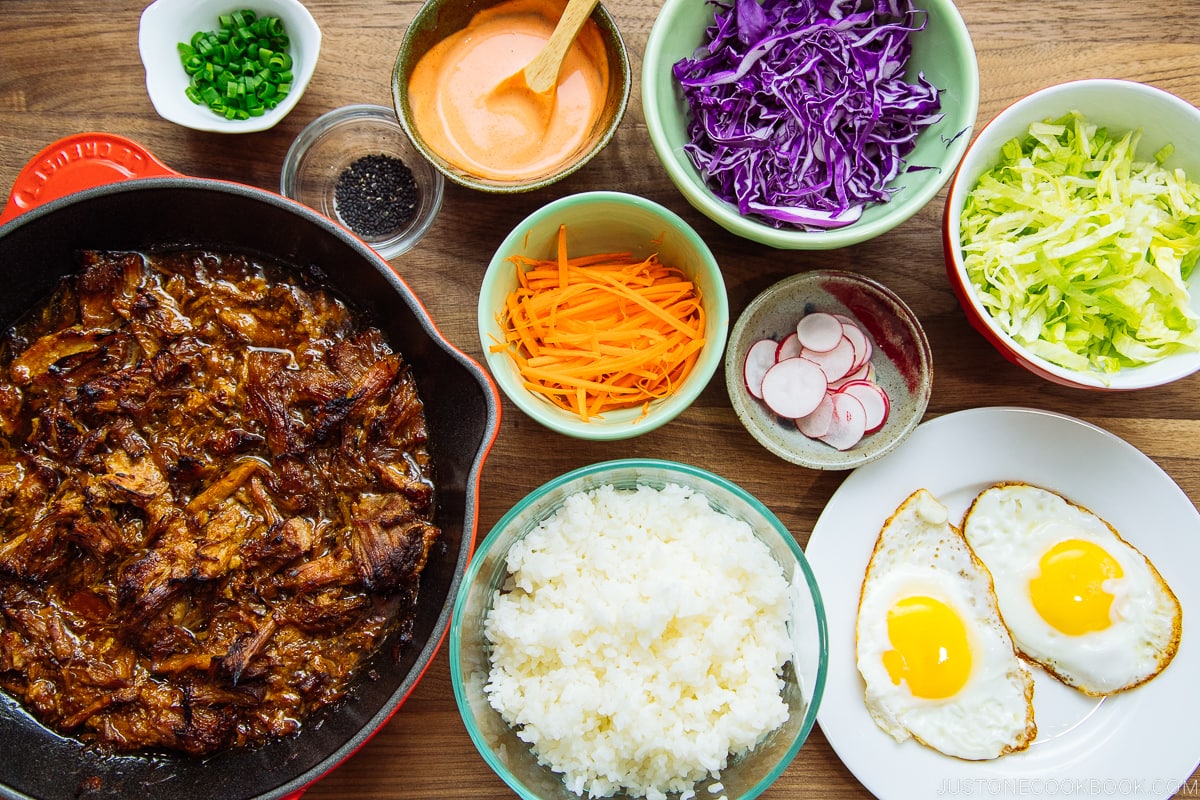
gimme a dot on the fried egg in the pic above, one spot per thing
(938, 663)
(1078, 599)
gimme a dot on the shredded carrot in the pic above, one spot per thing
(601, 332)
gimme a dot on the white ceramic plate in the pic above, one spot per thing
(1136, 744)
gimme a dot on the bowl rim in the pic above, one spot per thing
(635, 465)
(422, 169)
(166, 91)
(687, 181)
(606, 23)
(839, 460)
(625, 425)
(983, 151)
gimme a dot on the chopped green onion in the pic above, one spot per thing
(240, 70)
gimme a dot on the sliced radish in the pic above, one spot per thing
(816, 423)
(790, 347)
(837, 362)
(759, 358)
(861, 374)
(862, 344)
(794, 387)
(819, 332)
(821, 377)
(874, 399)
(849, 422)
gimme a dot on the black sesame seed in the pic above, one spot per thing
(375, 195)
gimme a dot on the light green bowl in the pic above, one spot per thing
(803, 677)
(942, 51)
(605, 222)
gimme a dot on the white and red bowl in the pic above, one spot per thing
(1121, 106)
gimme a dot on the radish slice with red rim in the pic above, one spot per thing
(837, 362)
(790, 347)
(819, 332)
(816, 424)
(759, 358)
(848, 424)
(794, 387)
(863, 373)
(874, 399)
(862, 344)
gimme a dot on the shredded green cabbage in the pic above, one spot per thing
(1082, 254)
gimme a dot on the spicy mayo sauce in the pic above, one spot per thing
(497, 134)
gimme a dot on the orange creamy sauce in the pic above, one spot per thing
(505, 135)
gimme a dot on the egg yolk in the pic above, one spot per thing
(931, 649)
(1069, 593)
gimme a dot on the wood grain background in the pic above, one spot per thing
(72, 65)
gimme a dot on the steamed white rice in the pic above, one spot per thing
(638, 641)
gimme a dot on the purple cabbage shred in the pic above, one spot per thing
(800, 114)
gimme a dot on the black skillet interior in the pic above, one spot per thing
(461, 405)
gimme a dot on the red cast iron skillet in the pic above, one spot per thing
(64, 201)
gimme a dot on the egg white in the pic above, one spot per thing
(920, 553)
(1010, 526)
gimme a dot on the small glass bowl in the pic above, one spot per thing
(334, 141)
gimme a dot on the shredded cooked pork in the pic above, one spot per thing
(215, 501)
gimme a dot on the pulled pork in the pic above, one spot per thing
(215, 501)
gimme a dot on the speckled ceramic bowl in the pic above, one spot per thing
(902, 361)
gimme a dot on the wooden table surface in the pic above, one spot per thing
(72, 65)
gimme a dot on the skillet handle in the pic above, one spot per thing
(81, 161)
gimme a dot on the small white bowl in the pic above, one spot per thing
(166, 23)
(1120, 106)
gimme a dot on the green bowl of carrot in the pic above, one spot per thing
(603, 315)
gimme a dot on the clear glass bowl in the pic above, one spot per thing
(804, 676)
(334, 141)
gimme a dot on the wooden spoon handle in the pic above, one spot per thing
(541, 74)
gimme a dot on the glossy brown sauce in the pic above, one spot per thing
(215, 501)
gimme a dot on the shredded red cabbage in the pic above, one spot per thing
(799, 111)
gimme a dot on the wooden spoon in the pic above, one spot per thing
(539, 79)
(541, 74)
